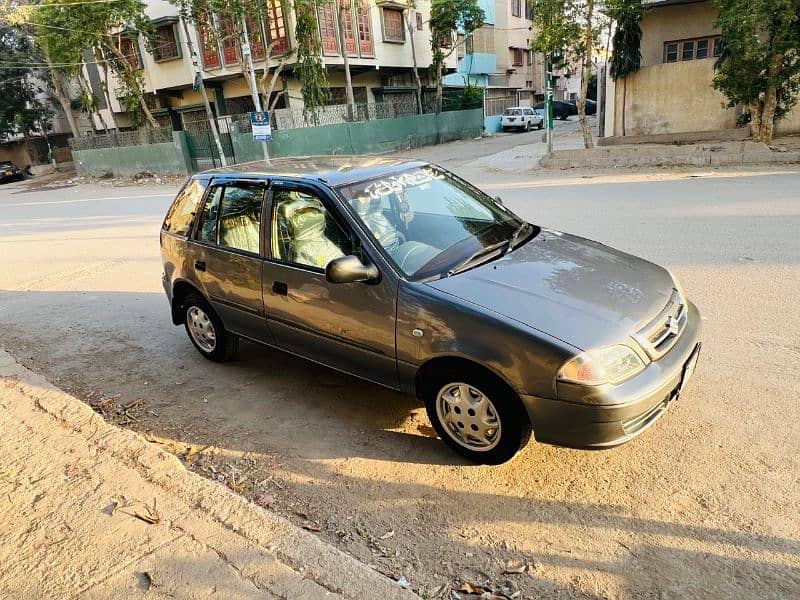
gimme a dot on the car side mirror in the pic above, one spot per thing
(350, 269)
(499, 200)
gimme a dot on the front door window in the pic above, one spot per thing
(304, 232)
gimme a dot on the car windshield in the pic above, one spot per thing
(6, 165)
(512, 112)
(431, 223)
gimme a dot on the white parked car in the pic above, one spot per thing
(521, 117)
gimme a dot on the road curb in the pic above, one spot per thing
(246, 525)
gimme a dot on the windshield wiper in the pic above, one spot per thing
(473, 259)
(517, 236)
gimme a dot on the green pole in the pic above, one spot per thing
(548, 68)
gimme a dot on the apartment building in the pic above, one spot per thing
(376, 38)
(497, 57)
(673, 90)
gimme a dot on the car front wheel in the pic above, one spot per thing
(477, 416)
(206, 330)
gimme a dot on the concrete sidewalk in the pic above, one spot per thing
(89, 510)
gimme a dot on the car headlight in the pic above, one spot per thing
(609, 364)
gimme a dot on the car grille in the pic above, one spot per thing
(660, 334)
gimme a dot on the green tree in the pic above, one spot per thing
(626, 54)
(310, 69)
(20, 110)
(63, 29)
(448, 18)
(567, 32)
(760, 65)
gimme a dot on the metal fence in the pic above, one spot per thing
(122, 138)
(282, 119)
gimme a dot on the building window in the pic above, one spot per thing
(529, 84)
(208, 44)
(256, 34)
(393, 30)
(529, 54)
(230, 45)
(516, 8)
(129, 48)
(529, 10)
(516, 57)
(419, 21)
(166, 45)
(670, 52)
(702, 49)
(349, 35)
(276, 28)
(365, 45)
(688, 51)
(691, 49)
(327, 29)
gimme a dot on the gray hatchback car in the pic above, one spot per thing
(406, 275)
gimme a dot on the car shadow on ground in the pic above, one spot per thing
(102, 344)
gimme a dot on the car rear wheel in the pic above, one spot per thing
(206, 331)
(477, 416)
(540, 125)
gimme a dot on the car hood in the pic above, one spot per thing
(579, 291)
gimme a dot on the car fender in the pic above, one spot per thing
(432, 324)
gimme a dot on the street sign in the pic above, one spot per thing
(262, 131)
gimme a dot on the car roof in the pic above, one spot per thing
(332, 170)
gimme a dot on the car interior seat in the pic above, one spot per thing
(240, 227)
(304, 218)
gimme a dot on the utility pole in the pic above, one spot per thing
(548, 77)
(198, 82)
(341, 15)
(248, 56)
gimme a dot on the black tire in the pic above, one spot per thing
(225, 343)
(540, 126)
(527, 126)
(515, 428)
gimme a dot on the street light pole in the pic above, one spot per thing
(248, 56)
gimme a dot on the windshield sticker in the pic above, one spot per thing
(397, 183)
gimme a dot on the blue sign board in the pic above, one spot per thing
(260, 123)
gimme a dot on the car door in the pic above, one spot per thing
(347, 326)
(227, 254)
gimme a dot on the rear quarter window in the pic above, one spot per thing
(181, 214)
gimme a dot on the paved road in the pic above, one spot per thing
(704, 504)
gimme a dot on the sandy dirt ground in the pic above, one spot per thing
(703, 505)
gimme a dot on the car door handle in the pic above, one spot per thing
(280, 288)
(200, 265)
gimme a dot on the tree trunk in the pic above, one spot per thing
(624, 102)
(136, 87)
(586, 72)
(61, 92)
(418, 83)
(98, 56)
(767, 129)
(351, 102)
(755, 118)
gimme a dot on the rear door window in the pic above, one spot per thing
(181, 215)
(231, 216)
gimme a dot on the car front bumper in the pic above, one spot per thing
(631, 408)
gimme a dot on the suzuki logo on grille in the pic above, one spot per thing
(672, 325)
